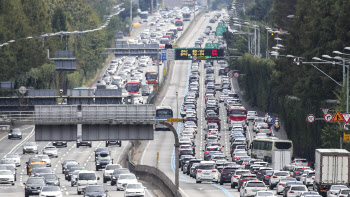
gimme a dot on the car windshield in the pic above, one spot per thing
(87, 176)
(30, 144)
(206, 167)
(288, 180)
(5, 172)
(127, 176)
(345, 191)
(12, 156)
(298, 188)
(242, 172)
(134, 186)
(50, 148)
(103, 157)
(43, 156)
(112, 167)
(93, 188)
(49, 176)
(36, 181)
(50, 188)
(281, 174)
(42, 170)
(338, 187)
(256, 184)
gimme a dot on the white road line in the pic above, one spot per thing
(23, 141)
(143, 154)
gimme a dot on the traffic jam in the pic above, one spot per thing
(238, 149)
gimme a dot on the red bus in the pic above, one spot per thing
(151, 77)
(133, 87)
(180, 25)
(238, 113)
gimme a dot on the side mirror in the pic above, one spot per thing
(24, 183)
(106, 191)
(98, 178)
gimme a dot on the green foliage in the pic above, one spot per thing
(258, 9)
(219, 4)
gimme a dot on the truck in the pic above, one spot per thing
(331, 168)
(281, 158)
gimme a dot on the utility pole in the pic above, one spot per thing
(151, 7)
(130, 17)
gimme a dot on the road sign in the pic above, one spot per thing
(221, 24)
(328, 117)
(188, 53)
(230, 74)
(346, 117)
(220, 31)
(227, 69)
(346, 137)
(170, 54)
(236, 74)
(194, 58)
(324, 110)
(338, 117)
(163, 51)
(310, 118)
(174, 120)
(212, 45)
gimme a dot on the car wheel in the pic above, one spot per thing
(97, 168)
(271, 187)
(13, 183)
(71, 184)
(24, 152)
(26, 195)
(232, 186)
(198, 181)
(221, 182)
(79, 192)
(77, 146)
(104, 180)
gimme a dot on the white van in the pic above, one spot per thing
(86, 178)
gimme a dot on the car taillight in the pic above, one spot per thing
(213, 171)
(245, 191)
(236, 157)
(291, 192)
(179, 150)
(270, 130)
(296, 172)
(224, 172)
(274, 177)
(242, 180)
(308, 164)
(259, 173)
(267, 177)
(309, 176)
(199, 171)
(235, 176)
(206, 153)
(281, 184)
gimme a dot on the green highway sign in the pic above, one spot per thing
(212, 45)
(220, 31)
(221, 24)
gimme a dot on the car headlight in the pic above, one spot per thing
(10, 134)
(20, 134)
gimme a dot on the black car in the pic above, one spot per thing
(59, 144)
(100, 150)
(116, 174)
(190, 163)
(185, 157)
(115, 142)
(261, 172)
(34, 185)
(51, 179)
(210, 71)
(226, 174)
(103, 159)
(267, 176)
(40, 171)
(15, 134)
(222, 72)
(71, 172)
(70, 168)
(80, 142)
(208, 154)
(95, 190)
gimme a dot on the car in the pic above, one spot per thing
(51, 179)
(300, 162)
(40, 170)
(86, 178)
(280, 185)
(15, 157)
(9, 167)
(108, 171)
(70, 169)
(134, 189)
(67, 162)
(343, 192)
(7, 177)
(15, 134)
(298, 171)
(95, 190)
(226, 174)
(30, 147)
(308, 177)
(236, 176)
(34, 165)
(206, 172)
(59, 144)
(264, 194)
(296, 190)
(251, 115)
(103, 159)
(125, 179)
(51, 151)
(334, 190)
(250, 188)
(45, 158)
(33, 186)
(80, 142)
(116, 174)
(288, 185)
(52, 191)
(311, 194)
(276, 176)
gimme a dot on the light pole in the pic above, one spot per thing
(268, 29)
(130, 17)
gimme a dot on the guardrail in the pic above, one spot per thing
(153, 175)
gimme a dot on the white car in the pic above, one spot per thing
(53, 191)
(251, 115)
(264, 194)
(51, 151)
(250, 188)
(280, 185)
(206, 172)
(108, 171)
(236, 176)
(46, 159)
(124, 180)
(296, 190)
(276, 176)
(334, 190)
(15, 157)
(343, 192)
(8, 161)
(6, 176)
(134, 189)
(305, 175)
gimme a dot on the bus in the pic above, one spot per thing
(263, 148)
(133, 87)
(144, 16)
(186, 16)
(163, 113)
(238, 113)
(179, 24)
(151, 77)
